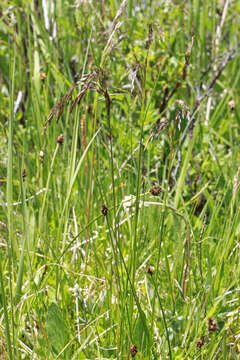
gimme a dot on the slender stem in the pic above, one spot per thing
(11, 245)
(164, 319)
(47, 185)
(5, 312)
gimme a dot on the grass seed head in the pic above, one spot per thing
(134, 350)
(41, 155)
(155, 190)
(60, 139)
(24, 174)
(150, 36)
(104, 210)
(200, 342)
(212, 325)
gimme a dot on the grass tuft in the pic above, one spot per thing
(119, 180)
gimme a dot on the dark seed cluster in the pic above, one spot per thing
(104, 210)
(155, 190)
(212, 325)
(200, 342)
(60, 139)
(134, 350)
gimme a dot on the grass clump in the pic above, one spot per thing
(119, 180)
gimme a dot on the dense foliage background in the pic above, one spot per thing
(120, 174)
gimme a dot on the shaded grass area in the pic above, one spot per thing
(119, 180)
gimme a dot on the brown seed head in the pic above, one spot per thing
(134, 350)
(150, 36)
(104, 210)
(24, 174)
(60, 139)
(212, 325)
(155, 190)
(200, 342)
(41, 155)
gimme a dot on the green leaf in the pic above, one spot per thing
(56, 329)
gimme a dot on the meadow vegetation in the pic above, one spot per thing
(119, 173)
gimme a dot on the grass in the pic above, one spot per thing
(119, 180)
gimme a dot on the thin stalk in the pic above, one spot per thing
(11, 244)
(134, 254)
(139, 174)
(72, 166)
(130, 7)
(159, 248)
(5, 312)
(89, 195)
(47, 185)
(25, 238)
(164, 319)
